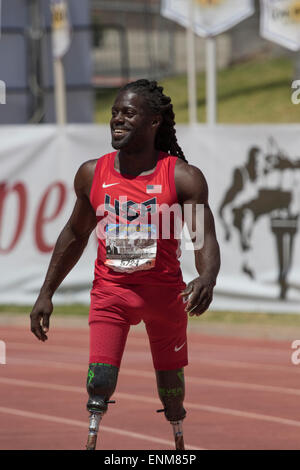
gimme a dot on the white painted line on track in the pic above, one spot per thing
(189, 379)
(82, 424)
(220, 383)
(194, 359)
(145, 399)
(141, 341)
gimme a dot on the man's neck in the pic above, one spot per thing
(135, 163)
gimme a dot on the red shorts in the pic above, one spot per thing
(114, 307)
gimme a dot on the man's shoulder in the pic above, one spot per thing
(88, 166)
(189, 180)
(187, 172)
(84, 177)
(87, 169)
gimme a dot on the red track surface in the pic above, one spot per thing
(240, 394)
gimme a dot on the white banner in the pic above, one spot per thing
(280, 22)
(253, 173)
(211, 17)
(61, 31)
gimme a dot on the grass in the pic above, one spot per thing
(224, 317)
(257, 91)
(74, 309)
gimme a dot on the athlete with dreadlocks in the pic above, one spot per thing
(137, 271)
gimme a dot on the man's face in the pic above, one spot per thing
(131, 122)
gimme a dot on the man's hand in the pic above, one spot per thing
(40, 316)
(200, 293)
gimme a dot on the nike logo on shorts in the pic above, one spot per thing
(176, 349)
(108, 185)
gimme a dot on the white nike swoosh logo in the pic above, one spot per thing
(180, 347)
(108, 185)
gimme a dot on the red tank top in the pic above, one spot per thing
(136, 244)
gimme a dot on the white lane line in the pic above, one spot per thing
(139, 341)
(50, 347)
(221, 383)
(82, 424)
(189, 379)
(246, 414)
(248, 365)
(216, 362)
(145, 399)
(193, 344)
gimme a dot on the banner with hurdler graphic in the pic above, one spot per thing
(211, 17)
(280, 22)
(253, 173)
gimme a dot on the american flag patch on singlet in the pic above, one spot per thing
(154, 188)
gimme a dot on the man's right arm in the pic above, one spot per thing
(68, 249)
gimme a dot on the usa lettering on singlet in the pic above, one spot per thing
(131, 241)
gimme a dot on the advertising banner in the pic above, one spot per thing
(253, 174)
(280, 22)
(211, 17)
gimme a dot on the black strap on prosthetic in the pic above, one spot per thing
(171, 390)
(101, 383)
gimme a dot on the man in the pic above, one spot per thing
(126, 188)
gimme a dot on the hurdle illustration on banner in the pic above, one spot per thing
(265, 186)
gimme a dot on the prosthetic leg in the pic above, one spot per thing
(101, 384)
(171, 389)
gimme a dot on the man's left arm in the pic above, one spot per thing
(192, 190)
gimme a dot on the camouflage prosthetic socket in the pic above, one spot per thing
(171, 389)
(101, 383)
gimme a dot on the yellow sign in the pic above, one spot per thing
(295, 11)
(208, 3)
(59, 16)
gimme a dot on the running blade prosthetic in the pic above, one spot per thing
(95, 419)
(178, 434)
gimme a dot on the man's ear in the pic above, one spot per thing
(156, 121)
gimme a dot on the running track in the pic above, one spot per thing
(240, 394)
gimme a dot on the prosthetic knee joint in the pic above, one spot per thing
(101, 384)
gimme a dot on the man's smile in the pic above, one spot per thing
(119, 132)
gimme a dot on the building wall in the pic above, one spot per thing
(26, 63)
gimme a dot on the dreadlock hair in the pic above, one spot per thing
(159, 103)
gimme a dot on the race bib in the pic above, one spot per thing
(130, 247)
